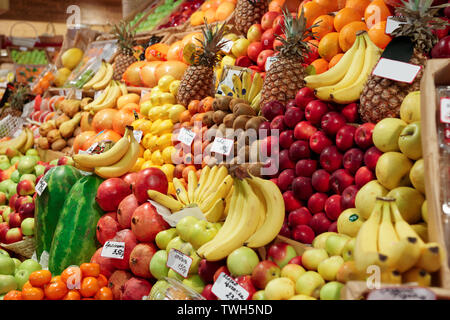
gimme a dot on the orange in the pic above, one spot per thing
(275, 6)
(89, 287)
(335, 60)
(210, 15)
(207, 103)
(193, 106)
(378, 36)
(102, 280)
(312, 11)
(40, 278)
(344, 17)
(90, 269)
(324, 26)
(32, 294)
(55, 290)
(329, 5)
(72, 295)
(329, 46)
(71, 272)
(104, 293)
(197, 18)
(27, 285)
(321, 65)
(376, 11)
(358, 5)
(13, 295)
(347, 36)
(56, 278)
(224, 11)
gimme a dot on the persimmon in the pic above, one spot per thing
(71, 272)
(13, 295)
(207, 104)
(90, 269)
(32, 293)
(345, 16)
(89, 287)
(40, 278)
(378, 35)
(102, 280)
(27, 285)
(72, 295)
(55, 290)
(185, 116)
(193, 106)
(104, 293)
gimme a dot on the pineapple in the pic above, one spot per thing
(198, 80)
(249, 12)
(19, 97)
(285, 76)
(126, 56)
(381, 98)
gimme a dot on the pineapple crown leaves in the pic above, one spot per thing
(125, 36)
(207, 53)
(296, 32)
(19, 97)
(419, 20)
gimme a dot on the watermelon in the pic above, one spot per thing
(49, 204)
(75, 241)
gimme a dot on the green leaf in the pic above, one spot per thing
(310, 70)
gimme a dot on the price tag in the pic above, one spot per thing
(227, 46)
(396, 70)
(23, 49)
(445, 110)
(391, 25)
(51, 49)
(412, 293)
(138, 135)
(78, 94)
(225, 288)
(85, 173)
(113, 249)
(222, 146)
(92, 148)
(179, 262)
(97, 94)
(269, 62)
(42, 184)
(186, 136)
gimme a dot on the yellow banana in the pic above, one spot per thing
(405, 254)
(100, 99)
(123, 89)
(29, 143)
(417, 276)
(227, 90)
(422, 230)
(80, 167)
(192, 185)
(402, 227)
(256, 102)
(203, 177)
(110, 100)
(274, 213)
(237, 85)
(387, 236)
(256, 87)
(227, 202)
(391, 277)
(431, 257)
(125, 164)
(181, 191)
(246, 85)
(217, 179)
(16, 143)
(165, 200)
(215, 213)
(219, 193)
(118, 150)
(203, 187)
(103, 83)
(97, 78)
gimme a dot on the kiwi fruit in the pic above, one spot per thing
(58, 144)
(254, 123)
(234, 102)
(218, 116)
(222, 103)
(240, 122)
(208, 119)
(244, 153)
(243, 109)
(228, 120)
(222, 129)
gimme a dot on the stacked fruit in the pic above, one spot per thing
(70, 60)
(213, 11)
(182, 14)
(20, 144)
(320, 161)
(113, 90)
(101, 79)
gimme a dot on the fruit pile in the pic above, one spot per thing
(213, 11)
(29, 57)
(180, 16)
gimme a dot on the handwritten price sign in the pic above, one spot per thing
(179, 262)
(113, 249)
(225, 288)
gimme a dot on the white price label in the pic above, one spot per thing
(113, 249)
(138, 135)
(179, 262)
(396, 70)
(222, 146)
(391, 25)
(227, 46)
(42, 184)
(269, 62)
(78, 94)
(61, 92)
(186, 136)
(51, 49)
(445, 110)
(23, 49)
(412, 293)
(225, 288)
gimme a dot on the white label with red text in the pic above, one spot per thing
(445, 110)
(179, 262)
(225, 288)
(396, 70)
(113, 249)
(186, 136)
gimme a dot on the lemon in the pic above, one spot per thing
(165, 111)
(167, 154)
(174, 86)
(147, 154)
(164, 82)
(155, 99)
(175, 111)
(150, 141)
(168, 169)
(137, 166)
(168, 98)
(164, 126)
(157, 158)
(71, 58)
(144, 125)
(155, 126)
(146, 165)
(164, 141)
(154, 112)
(145, 107)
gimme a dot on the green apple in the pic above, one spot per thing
(417, 175)
(15, 176)
(392, 170)
(311, 258)
(4, 159)
(39, 169)
(26, 164)
(202, 232)
(7, 283)
(424, 211)
(157, 266)
(4, 185)
(54, 162)
(329, 268)
(409, 202)
(7, 265)
(410, 108)
(292, 271)
(259, 295)
(21, 277)
(187, 249)
(172, 274)
(309, 284)
(184, 227)
(17, 263)
(240, 47)
(194, 282)
(28, 176)
(164, 237)
(347, 252)
(320, 240)
(6, 211)
(32, 152)
(386, 132)
(30, 265)
(410, 141)
(335, 244)
(280, 289)
(331, 291)
(366, 197)
(27, 226)
(242, 261)
(302, 297)
(4, 253)
(14, 160)
(12, 190)
(349, 222)
(4, 166)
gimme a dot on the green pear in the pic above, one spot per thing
(32, 152)
(4, 159)
(331, 291)
(7, 265)
(30, 265)
(242, 261)
(39, 169)
(7, 283)
(410, 108)
(4, 165)
(28, 176)
(347, 251)
(14, 160)
(194, 282)
(280, 289)
(184, 227)
(27, 164)
(335, 244)
(392, 170)
(311, 258)
(366, 197)
(320, 240)
(386, 132)
(417, 175)
(349, 222)
(12, 190)
(21, 277)
(309, 284)
(202, 232)
(15, 176)
(329, 268)
(164, 237)
(410, 141)
(409, 202)
(158, 267)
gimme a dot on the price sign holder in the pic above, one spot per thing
(42, 184)
(225, 288)
(445, 110)
(179, 262)
(138, 135)
(222, 146)
(186, 136)
(113, 250)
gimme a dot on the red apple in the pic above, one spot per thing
(304, 130)
(207, 293)
(267, 19)
(333, 227)
(345, 137)
(304, 96)
(321, 180)
(150, 178)
(254, 50)
(284, 161)
(315, 110)
(316, 203)
(15, 220)
(272, 109)
(21, 201)
(243, 62)
(285, 231)
(290, 202)
(348, 197)
(26, 210)
(293, 116)
(332, 122)
(254, 33)
(223, 269)
(330, 159)
(267, 39)
(285, 179)
(4, 227)
(303, 234)
(371, 157)
(265, 271)
(297, 259)
(268, 146)
(25, 187)
(305, 168)
(262, 57)
(442, 49)
(350, 112)
(333, 207)
(301, 216)
(286, 138)
(341, 179)
(363, 176)
(264, 128)
(207, 269)
(13, 235)
(312, 55)
(299, 150)
(246, 283)
(12, 201)
(281, 253)
(319, 223)
(302, 188)
(319, 141)
(353, 160)
(363, 135)
(278, 124)
(278, 25)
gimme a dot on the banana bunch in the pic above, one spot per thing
(388, 241)
(246, 88)
(113, 163)
(108, 98)
(102, 78)
(255, 217)
(210, 193)
(22, 143)
(344, 82)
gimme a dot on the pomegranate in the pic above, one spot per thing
(125, 211)
(140, 259)
(107, 228)
(146, 223)
(106, 264)
(135, 289)
(130, 242)
(150, 178)
(117, 283)
(130, 178)
(111, 192)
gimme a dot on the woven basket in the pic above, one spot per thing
(24, 248)
(22, 41)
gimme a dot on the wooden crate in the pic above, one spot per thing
(437, 73)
